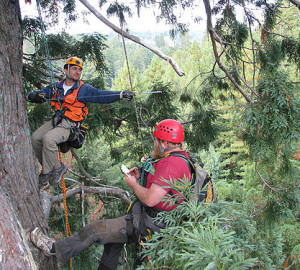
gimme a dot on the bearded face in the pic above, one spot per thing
(156, 154)
(163, 145)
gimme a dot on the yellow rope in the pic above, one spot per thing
(209, 197)
(64, 191)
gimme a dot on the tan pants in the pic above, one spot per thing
(45, 142)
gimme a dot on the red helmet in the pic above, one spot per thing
(169, 130)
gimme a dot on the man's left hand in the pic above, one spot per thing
(127, 94)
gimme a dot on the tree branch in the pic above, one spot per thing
(213, 40)
(27, 66)
(264, 181)
(88, 176)
(133, 38)
(235, 65)
(48, 200)
(122, 194)
(296, 3)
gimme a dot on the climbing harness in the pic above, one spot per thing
(70, 107)
(200, 178)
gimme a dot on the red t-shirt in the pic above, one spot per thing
(170, 167)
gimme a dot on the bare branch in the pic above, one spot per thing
(133, 38)
(56, 75)
(88, 176)
(235, 65)
(82, 206)
(211, 33)
(296, 3)
(195, 77)
(264, 181)
(48, 200)
(122, 194)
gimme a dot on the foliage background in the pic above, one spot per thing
(251, 150)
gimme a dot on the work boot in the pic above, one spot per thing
(57, 174)
(44, 178)
(42, 241)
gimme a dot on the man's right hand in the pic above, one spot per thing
(135, 172)
(36, 97)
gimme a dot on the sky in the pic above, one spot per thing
(145, 23)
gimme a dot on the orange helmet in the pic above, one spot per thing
(74, 61)
(169, 130)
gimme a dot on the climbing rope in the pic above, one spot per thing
(45, 44)
(52, 83)
(130, 81)
(64, 191)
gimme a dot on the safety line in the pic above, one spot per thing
(45, 44)
(62, 98)
(64, 191)
(47, 53)
(129, 76)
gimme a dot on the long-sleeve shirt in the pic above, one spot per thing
(87, 93)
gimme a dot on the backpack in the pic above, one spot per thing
(200, 179)
(77, 137)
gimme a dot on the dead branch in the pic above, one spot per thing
(46, 74)
(133, 38)
(86, 175)
(235, 65)
(122, 194)
(82, 206)
(215, 50)
(296, 3)
(48, 200)
(264, 181)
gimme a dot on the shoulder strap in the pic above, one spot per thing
(189, 163)
(147, 168)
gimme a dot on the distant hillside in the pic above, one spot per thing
(150, 36)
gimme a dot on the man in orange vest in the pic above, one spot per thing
(69, 103)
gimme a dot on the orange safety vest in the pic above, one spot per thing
(73, 109)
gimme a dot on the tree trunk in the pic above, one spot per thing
(20, 206)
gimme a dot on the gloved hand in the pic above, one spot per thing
(36, 97)
(127, 94)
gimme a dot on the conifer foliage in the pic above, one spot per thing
(248, 66)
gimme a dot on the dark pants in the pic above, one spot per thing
(110, 257)
(110, 232)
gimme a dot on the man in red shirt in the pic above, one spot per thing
(150, 184)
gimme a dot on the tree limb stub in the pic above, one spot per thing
(133, 38)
